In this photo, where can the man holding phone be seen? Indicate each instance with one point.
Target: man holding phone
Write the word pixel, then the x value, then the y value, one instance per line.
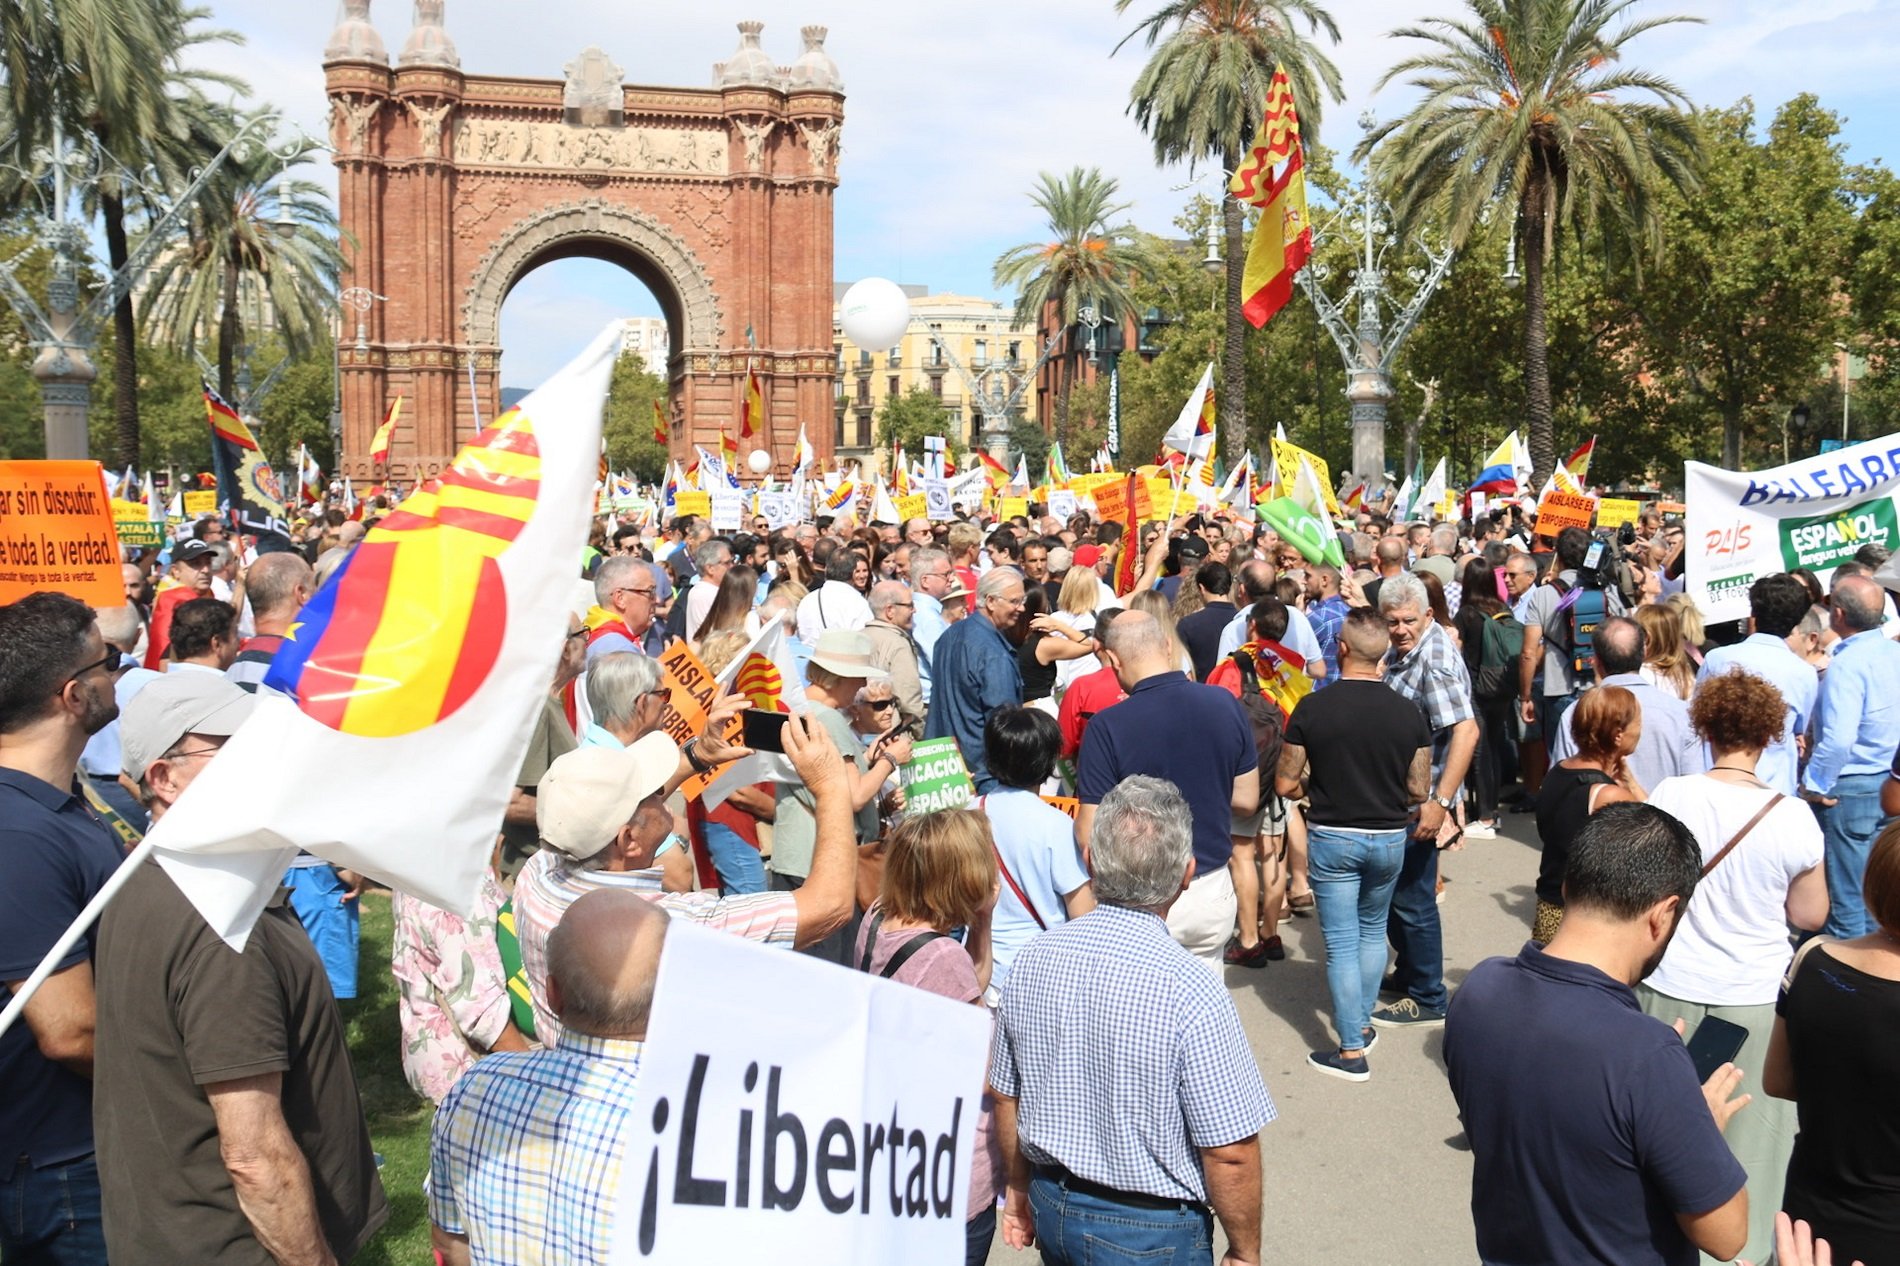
pixel 1590 1138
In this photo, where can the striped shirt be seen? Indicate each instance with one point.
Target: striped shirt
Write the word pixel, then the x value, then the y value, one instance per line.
pixel 551 882
pixel 524 1157
pixel 1125 1055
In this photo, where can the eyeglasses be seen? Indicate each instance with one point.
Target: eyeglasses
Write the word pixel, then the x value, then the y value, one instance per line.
pixel 576 633
pixel 203 751
pixel 644 593
pixel 658 692
pixel 110 661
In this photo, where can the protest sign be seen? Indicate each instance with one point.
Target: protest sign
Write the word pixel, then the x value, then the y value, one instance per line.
pixel 912 506
pixel 691 688
pixel 204 501
pixel 57 533
pixel 1093 480
pixel 694 503
pixel 728 510
pixel 1068 804
pixel 1616 511
pixel 132 521
pixel 1010 507
pixel 1560 510
pixel 1111 500
pixel 937 501
pixel 1814 514
pixel 1287 457
pixel 777 509
pixel 936 777
pixel 829 1114
pixel 1062 504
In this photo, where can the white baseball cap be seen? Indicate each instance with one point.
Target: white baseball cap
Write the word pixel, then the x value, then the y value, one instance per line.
pixel 175 705
pixel 590 793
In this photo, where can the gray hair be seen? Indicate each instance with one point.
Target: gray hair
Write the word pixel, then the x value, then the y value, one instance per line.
pixel 1135 635
pixel 886 594
pixel 1403 590
pixel 272 582
pixel 922 560
pixel 119 626
pixel 615 683
pixel 613 573
pixel 711 553
pixel 1861 602
pixel 222 555
pixel 328 562
pixel 1445 539
pixel 1140 843
pixel 995 580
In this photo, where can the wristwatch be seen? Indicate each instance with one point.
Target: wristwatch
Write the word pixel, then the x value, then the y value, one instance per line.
pixel 1444 802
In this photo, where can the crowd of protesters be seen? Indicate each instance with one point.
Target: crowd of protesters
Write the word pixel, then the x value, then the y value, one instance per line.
pixel 1164 772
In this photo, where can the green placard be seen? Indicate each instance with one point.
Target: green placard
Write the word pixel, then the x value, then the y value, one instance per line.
pixel 936 777
pixel 138 532
pixel 1825 541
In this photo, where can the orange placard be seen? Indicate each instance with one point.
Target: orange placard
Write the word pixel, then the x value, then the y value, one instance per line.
pixel 1560 510
pixel 1111 501
pixel 1068 804
pixel 57 533
pixel 691 689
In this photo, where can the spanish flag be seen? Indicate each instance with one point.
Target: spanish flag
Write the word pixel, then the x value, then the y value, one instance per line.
pixel 1283 239
pixel 1127 560
pixel 379 446
pixel 729 452
pixel 1577 465
pixel 659 423
pixel 225 422
pixel 993 470
pixel 752 408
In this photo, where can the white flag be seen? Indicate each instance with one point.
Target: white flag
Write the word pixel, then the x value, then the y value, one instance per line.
pixel 1185 435
pixel 767 674
pixel 417 672
pixel 1433 490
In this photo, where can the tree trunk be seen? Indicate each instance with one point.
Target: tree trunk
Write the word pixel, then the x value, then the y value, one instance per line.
pixel 229 333
pixel 1232 409
pixel 1732 434
pixel 1536 345
pixel 125 339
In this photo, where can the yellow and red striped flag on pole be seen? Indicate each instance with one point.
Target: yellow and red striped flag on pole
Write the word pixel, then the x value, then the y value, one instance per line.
pixel 379 446
pixel 752 409
pixel 1283 239
pixel 659 423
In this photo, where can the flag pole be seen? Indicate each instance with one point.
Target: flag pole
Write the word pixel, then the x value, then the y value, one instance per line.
pixel 71 936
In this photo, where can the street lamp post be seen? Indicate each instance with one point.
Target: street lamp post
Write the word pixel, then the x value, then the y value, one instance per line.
pixel 996 406
pixel 64 332
pixel 359 299
pixel 1847 386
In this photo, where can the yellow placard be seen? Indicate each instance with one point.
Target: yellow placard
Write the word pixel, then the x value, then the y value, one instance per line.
pixel 56 533
pixel 1288 456
pixel 1095 479
pixel 912 506
pixel 204 501
pixel 1447 504
pixel 134 511
pixel 1616 511
pixel 695 503
pixel 1010 507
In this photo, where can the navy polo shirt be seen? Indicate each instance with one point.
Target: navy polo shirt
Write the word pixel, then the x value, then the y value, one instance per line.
pixel 1194 736
pixel 54 856
pixel 1588 1128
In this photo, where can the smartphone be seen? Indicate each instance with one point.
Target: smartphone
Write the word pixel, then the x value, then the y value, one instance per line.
pixel 763 731
pixel 1716 1042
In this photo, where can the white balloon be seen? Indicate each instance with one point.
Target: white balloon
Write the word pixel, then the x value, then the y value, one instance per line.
pixel 874 313
pixel 759 461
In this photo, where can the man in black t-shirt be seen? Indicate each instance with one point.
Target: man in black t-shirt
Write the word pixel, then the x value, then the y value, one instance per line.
pixel 1363 753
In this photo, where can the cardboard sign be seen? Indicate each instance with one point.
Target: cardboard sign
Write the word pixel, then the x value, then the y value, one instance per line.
pixel 1010 507
pixel 694 503
pixel 1094 479
pixel 777 508
pixel 936 777
pixel 937 501
pixel 1068 804
pixel 201 502
pixel 912 505
pixel 1560 510
pixel 728 510
pixel 57 533
pixel 1062 504
pixel 1111 501
pixel 691 689
pixel 1288 457
pixel 829 1114
pixel 1616 511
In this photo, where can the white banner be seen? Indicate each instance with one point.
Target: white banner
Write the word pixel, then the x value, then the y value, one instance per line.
pixel 1812 514
pixel 828 1114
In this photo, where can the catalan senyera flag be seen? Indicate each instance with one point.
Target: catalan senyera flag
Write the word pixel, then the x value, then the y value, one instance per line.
pixel 752 408
pixel 379 446
pixel 900 474
pixel 659 423
pixel 1283 239
pixel 412 677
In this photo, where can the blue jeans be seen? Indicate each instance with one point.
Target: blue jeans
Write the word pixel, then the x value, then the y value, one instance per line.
pixel 1413 926
pixel 316 894
pixel 978 1233
pixel 1551 711
pixel 1353 875
pixel 50 1217
pixel 741 869
pixel 1847 836
pixel 1077 1229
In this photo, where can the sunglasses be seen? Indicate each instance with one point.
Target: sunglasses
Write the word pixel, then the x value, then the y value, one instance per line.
pixel 880 704
pixel 110 661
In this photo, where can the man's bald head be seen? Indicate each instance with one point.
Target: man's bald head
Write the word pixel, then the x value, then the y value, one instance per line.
pixel 1859 603
pixel 603 958
pixel 1620 646
pixel 278 584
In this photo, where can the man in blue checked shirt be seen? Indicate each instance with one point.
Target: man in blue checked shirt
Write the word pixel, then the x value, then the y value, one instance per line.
pixel 1856 731
pixel 1127 1099
pixel 524 1163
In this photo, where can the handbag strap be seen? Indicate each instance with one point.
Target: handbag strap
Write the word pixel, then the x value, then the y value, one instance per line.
pixel 1748 826
pixel 1003 867
pixel 904 951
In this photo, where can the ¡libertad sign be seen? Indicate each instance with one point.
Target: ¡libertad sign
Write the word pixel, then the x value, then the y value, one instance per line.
pixel 829 1114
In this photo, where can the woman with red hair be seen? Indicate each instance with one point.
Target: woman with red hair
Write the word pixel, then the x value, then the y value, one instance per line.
pixel 1607 723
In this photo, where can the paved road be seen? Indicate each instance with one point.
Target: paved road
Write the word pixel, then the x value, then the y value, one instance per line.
pixel 1375 1171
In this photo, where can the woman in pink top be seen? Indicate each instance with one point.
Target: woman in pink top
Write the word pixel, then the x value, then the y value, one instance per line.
pixel 939 875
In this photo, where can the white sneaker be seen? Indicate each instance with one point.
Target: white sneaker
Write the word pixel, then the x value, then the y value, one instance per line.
pixel 1480 831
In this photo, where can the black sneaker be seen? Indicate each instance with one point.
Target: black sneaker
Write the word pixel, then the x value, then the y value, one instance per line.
pixel 1275 949
pixel 1369 1038
pixel 1333 1064
pixel 1407 1014
pixel 1237 956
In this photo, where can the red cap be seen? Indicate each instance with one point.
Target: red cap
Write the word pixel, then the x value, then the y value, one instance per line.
pixel 1087 555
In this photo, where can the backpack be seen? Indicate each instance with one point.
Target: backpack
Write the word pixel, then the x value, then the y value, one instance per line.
pixel 1263 713
pixel 1583 610
pixel 1500 646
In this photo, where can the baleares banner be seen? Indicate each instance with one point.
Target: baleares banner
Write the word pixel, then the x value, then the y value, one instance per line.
pixel 1813 514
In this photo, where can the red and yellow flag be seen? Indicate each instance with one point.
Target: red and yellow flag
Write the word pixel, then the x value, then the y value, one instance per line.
pixel 379 446
pixel 1128 552
pixel 1283 239
pixel 752 408
pixel 728 451
pixel 225 422
pixel 659 423
pixel 993 470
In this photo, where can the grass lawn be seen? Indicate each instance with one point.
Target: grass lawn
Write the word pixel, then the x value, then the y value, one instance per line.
pixel 398 1117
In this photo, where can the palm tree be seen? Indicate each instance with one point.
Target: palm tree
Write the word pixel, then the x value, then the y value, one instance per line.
pixel 1526 103
pixel 1089 261
pixel 260 255
pixel 1200 97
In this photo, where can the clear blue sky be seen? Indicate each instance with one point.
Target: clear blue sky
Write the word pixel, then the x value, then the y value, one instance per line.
pixel 952 109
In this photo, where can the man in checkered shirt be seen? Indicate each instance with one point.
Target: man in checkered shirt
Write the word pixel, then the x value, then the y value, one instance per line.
pixel 1127 1099
pixel 524 1158
pixel 1426 667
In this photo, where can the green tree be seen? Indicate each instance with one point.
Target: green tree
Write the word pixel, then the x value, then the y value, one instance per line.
pixel 628 422
pixel 1874 291
pixel 1201 95
pixel 1089 260
pixel 905 420
pixel 1527 102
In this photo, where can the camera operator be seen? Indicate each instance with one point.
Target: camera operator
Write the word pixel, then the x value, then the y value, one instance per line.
pixel 1560 622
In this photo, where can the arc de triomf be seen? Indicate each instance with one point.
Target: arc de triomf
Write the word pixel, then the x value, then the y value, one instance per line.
pixel 452 187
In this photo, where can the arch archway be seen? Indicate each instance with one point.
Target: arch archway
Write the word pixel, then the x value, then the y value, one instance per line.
pixel 452 187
